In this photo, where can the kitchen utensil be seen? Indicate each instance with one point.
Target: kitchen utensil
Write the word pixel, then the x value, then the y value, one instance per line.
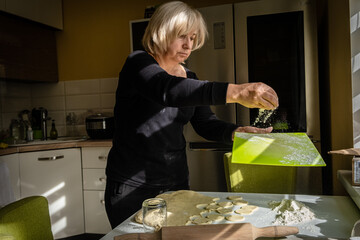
pixel 100 126
pixel 234 231
pixel 279 149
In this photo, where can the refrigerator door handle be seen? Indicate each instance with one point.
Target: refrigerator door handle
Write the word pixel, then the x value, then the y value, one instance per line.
pixel 210 146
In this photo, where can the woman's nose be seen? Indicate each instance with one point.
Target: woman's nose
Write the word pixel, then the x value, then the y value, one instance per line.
pixel 187 42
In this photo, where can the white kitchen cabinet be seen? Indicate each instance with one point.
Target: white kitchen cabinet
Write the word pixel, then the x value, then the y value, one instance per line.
pixel 94 182
pixel 96 220
pixel 10 163
pixel 94 157
pixel 94 179
pixel 56 174
pixel 48 12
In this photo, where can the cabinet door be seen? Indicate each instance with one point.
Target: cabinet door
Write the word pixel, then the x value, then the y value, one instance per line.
pixel 96 220
pixel 94 179
pixel 50 13
pixel 9 175
pixel 42 11
pixel 94 157
pixel 57 176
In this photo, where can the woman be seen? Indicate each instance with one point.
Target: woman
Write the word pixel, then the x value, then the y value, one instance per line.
pixel 156 97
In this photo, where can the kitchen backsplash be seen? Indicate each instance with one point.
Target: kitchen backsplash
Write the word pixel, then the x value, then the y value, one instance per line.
pixel 81 97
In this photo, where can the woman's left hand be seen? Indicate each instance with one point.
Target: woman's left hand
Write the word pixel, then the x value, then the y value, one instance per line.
pixel 249 129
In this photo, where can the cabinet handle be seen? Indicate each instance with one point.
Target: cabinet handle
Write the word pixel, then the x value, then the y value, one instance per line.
pixel 103 158
pixel 102 179
pixel 50 158
pixel 102 202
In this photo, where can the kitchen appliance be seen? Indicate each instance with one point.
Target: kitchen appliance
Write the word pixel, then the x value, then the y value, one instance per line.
pixel 269 41
pixel 100 126
pixel 233 231
pixel 39 117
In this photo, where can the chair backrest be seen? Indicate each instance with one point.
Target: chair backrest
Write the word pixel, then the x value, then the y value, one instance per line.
pixel 26 219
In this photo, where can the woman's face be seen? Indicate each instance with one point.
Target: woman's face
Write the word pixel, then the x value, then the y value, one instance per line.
pixel 179 50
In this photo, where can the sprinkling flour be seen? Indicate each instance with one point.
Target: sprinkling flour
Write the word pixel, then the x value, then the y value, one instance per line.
pixel 263 116
pixel 290 212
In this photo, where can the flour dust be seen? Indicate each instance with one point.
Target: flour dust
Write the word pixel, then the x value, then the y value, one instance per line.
pixel 291 212
pixel 263 116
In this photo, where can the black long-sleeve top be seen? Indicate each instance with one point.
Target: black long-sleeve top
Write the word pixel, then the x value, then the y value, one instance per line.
pixel 150 111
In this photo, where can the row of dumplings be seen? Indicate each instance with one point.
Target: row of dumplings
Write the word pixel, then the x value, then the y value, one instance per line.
pixel 218 211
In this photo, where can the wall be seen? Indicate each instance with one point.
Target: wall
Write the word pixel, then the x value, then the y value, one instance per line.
pixel 339 73
pixel 355 67
pixel 96 37
pixel 81 97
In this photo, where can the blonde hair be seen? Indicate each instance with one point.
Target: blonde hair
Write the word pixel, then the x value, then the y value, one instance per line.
pixel 169 21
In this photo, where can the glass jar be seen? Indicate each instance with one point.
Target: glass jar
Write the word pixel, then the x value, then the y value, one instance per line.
pixel 154 214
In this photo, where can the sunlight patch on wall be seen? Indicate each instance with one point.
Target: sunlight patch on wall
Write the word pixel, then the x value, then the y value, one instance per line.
pixel 355 22
pixel 57 205
pixel 54 189
pixel 59 225
pixel 355 63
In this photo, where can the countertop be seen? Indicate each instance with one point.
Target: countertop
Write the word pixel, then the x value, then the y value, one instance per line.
pixel 335 215
pixel 60 143
pixel 344 177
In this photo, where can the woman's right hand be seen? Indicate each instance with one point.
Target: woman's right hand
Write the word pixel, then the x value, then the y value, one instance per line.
pixel 252 95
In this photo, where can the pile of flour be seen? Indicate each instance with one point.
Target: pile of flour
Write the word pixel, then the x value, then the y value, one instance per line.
pixel 290 212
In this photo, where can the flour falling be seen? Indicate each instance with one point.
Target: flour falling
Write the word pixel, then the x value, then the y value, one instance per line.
pixel 291 212
pixel 263 116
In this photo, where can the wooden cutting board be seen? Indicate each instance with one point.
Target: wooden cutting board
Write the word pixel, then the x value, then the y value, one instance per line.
pixel 276 149
pixel 234 231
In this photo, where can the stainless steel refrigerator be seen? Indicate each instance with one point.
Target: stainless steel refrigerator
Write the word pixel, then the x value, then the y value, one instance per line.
pixel 272 41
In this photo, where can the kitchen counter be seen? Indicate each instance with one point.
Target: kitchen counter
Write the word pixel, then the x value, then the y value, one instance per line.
pixel 335 215
pixel 55 144
pixel 344 177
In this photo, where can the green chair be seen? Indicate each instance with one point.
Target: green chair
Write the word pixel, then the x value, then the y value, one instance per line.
pixel 26 219
pixel 251 178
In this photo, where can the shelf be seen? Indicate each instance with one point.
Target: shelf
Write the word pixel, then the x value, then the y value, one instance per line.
pixel 344 177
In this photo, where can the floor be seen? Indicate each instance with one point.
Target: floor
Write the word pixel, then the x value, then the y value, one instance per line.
pixel 86 236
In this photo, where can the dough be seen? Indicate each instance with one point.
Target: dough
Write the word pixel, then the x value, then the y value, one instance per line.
pixel 234 198
pixel 201 221
pixel 215 217
pixel 204 213
pixel 222 210
pixel 240 202
pixel 155 218
pixel 193 217
pixel 212 206
pixel 246 210
pixel 235 218
pixel 225 204
pixel 180 206
pixel 202 205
